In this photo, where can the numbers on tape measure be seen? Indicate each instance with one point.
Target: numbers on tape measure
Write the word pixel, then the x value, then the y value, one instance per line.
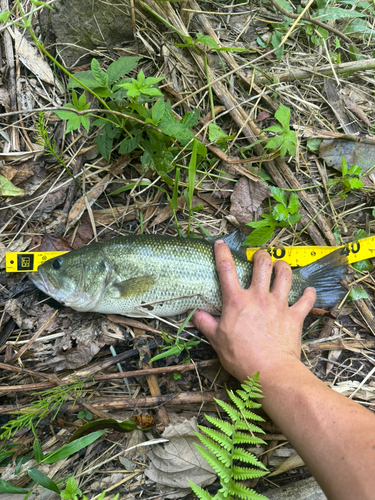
pixel 350 248
pixel 277 253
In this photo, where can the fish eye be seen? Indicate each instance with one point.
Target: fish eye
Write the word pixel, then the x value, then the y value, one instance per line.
pixel 57 263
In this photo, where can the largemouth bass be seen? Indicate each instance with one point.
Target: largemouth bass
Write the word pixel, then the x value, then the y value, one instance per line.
pixel 163 275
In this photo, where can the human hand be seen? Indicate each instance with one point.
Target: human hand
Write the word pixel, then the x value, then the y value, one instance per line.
pixel 257 330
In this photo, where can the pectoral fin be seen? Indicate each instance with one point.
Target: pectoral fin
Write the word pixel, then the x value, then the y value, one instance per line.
pixel 135 286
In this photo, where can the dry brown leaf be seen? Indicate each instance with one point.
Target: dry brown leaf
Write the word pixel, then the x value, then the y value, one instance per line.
pixel 290 463
pixel 80 206
pixel 166 212
pixel 54 243
pixel 29 56
pixel 246 198
pixel 179 460
pixel 17 174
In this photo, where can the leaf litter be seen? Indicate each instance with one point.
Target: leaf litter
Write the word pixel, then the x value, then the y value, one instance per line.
pixel 284 128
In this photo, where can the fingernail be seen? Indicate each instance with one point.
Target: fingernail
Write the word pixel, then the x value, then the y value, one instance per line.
pixel 219 242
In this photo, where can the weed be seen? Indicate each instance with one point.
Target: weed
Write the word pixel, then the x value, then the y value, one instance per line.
pixel 350 179
pixel 221 442
pixel 287 140
pixel 284 214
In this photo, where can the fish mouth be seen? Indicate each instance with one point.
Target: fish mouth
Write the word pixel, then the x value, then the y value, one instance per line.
pixel 39 280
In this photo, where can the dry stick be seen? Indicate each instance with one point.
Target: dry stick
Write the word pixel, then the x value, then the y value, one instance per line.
pixel 184 398
pixel 98 378
pixel 249 129
pixel 32 340
pixel 326 70
pixel 311 20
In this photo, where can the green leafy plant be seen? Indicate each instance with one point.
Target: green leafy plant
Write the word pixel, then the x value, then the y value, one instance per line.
pixel 176 346
pixel 221 445
pixel 85 414
pixel 350 178
pixel 48 402
pixel 284 214
pixel 286 142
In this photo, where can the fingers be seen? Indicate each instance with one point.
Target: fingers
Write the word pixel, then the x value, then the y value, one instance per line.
pixel 262 272
pixel 205 323
pixel 283 281
pixel 306 302
pixel 226 269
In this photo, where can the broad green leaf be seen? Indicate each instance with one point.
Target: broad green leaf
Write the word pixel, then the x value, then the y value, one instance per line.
pixel 141 110
pixel 152 81
pixel 85 77
pixel 355 183
pixel 259 236
pixel 360 234
pixel 355 170
pixel 43 480
pixel 332 13
pixel 293 203
pixel 207 40
pixel 85 122
pixel 362 265
pixel 275 41
pixel 293 219
pixel 6 487
pixel 354 53
pixel 157 110
pixel 259 223
pixel 73 124
pixel 275 142
pixel 201 149
pixel 69 449
pixel 279 195
pixel 65 115
pixel 100 76
pixel 190 119
pixel 313 145
pixel 104 144
pixel 215 132
pixel 358 293
pixel 151 91
pixel 274 128
pixel 9 189
pixel 121 67
pixel 103 91
pixel 280 213
pixel 38 453
pixel 129 145
pixel 282 115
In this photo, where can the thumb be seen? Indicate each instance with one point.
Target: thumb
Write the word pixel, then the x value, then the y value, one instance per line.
pixel 205 323
pixel 304 305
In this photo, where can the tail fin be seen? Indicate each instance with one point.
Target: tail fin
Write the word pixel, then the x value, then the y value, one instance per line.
pixel 325 275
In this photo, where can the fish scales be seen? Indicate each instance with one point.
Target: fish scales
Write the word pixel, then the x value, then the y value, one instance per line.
pixel 161 275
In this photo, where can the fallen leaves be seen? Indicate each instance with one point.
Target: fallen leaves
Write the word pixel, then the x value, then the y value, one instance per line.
pixel 9 189
pixel 179 460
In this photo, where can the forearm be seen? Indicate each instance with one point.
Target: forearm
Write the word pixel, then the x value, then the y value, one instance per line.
pixel 334 435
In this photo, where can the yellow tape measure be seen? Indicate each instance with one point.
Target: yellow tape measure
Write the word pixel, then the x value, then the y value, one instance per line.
pixel 21 262
pixel 302 256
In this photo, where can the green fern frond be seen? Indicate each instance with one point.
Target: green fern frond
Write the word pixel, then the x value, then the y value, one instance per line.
pixel 201 494
pixel 247 457
pixel 243 493
pixel 244 473
pixel 241 438
pixel 220 469
pixel 225 427
pixel 222 454
pixel 222 439
pixel 246 425
pixel 221 450
pixel 232 413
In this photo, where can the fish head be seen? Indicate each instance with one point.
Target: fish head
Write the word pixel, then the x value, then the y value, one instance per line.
pixel 74 279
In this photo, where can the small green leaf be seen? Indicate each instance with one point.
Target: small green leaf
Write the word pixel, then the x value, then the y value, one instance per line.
pixel 100 76
pixel 313 145
pixel 152 91
pixel 158 110
pixel 215 133
pixel 293 204
pixel 360 234
pixel 69 449
pixel 259 236
pixel 355 170
pixel 129 145
pixel 121 67
pixel 358 293
pixel 9 189
pixel 362 265
pixel 355 183
pixel 6 487
pixel 104 144
pixel 4 16
pixel 282 115
pixel 38 453
pixel 279 195
pixel 73 124
pixel 344 170
pixel 207 40
pixel 280 213
pixel 190 118
pixel 86 78
pixel 293 219
pixel 43 480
